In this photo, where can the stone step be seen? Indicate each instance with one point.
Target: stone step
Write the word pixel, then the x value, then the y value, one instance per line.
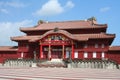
pixel 56 60
pixel 52 63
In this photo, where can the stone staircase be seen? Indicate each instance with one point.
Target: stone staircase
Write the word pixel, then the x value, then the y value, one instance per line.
pixel 52 63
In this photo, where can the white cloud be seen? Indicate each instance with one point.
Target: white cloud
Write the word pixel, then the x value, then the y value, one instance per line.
pixel 10 29
pixel 4 11
pixel 12 4
pixel 70 4
pixel 53 7
pixel 104 9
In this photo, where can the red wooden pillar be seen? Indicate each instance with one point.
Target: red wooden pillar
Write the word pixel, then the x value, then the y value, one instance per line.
pixel 72 55
pixel 49 52
pixel 41 52
pixel 106 56
pixel 63 51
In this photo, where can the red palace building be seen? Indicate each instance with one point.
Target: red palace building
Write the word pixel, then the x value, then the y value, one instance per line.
pixel 83 43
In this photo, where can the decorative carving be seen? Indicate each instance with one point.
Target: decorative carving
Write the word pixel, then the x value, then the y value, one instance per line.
pixel 92 18
pixel 56 29
pixel 40 22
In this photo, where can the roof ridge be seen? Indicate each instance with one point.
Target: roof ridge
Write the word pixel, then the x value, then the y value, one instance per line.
pixel 66 21
pixel 115 46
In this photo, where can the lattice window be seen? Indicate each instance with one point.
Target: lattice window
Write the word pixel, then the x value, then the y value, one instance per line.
pixel 85 55
pixel 22 54
pixel 94 55
pixel 96 45
pixel 85 46
pixel 102 46
pixel 102 54
pixel 76 54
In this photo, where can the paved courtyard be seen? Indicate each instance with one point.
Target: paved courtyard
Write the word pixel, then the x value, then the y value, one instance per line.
pixel 58 74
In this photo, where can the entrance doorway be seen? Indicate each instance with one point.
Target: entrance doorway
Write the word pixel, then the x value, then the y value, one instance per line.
pixel 56 52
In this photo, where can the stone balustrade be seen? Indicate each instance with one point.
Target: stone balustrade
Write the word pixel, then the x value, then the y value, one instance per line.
pixel 94 64
pixel 102 64
pixel 18 63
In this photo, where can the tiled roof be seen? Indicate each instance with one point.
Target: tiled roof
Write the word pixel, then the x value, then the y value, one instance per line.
pixel 19 38
pixel 65 25
pixel 114 48
pixel 8 48
pixel 79 37
pixel 95 36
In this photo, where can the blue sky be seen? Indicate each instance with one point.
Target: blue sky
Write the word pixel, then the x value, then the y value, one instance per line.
pixel 26 13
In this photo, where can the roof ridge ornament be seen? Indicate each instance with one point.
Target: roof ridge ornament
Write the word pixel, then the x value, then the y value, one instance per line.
pixel 93 20
pixel 40 22
pixel 56 29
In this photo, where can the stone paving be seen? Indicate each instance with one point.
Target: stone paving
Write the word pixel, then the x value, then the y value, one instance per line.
pixel 58 74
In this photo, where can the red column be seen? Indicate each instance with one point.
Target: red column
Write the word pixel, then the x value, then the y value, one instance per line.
pixel 49 52
pixel 41 52
pixel 106 56
pixel 63 51
pixel 72 56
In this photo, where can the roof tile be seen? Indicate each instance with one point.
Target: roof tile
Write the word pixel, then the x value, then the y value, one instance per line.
pixel 79 37
pixel 65 25
pixel 114 48
pixel 8 48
